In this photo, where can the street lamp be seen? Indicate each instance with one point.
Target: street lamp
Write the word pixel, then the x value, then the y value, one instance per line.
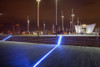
pixel 62 22
pixel 44 27
pixel 72 15
pixel 1 14
pixel 56 15
pixel 53 28
pixel 38 3
pixel 70 25
pixel 28 21
pixel 78 21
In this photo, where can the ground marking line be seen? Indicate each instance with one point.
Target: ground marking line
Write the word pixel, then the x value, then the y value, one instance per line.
pixel 59 42
pixel 7 38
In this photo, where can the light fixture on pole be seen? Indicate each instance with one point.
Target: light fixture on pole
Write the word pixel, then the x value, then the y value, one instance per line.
pixel 62 21
pixel 28 21
pixel 72 15
pixel 1 14
pixel 38 4
pixel 56 15
pixel 44 27
pixel 53 28
pixel 78 21
pixel 70 25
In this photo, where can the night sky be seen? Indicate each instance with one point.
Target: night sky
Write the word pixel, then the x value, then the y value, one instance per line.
pixel 16 12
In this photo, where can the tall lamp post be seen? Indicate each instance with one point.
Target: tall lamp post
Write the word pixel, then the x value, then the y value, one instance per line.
pixel 44 27
pixel 1 14
pixel 72 15
pixel 62 22
pixel 38 4
pixel 56 15
pixel 78 21
pixel 70 26
pixel 53 28
pixel 28 24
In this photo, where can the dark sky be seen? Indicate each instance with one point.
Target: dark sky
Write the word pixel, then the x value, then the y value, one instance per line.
pixel 16 11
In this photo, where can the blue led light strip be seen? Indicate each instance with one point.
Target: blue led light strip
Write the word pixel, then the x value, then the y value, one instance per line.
pixel 7 38
pixel 59 42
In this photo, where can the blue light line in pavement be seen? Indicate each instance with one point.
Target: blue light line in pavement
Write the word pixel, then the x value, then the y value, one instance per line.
pixel 7 38
pixel 59 42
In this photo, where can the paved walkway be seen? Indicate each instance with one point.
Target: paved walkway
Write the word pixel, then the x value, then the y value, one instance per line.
pixel 18 54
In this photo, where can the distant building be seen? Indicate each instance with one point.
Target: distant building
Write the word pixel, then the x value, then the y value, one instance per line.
pixel 85 28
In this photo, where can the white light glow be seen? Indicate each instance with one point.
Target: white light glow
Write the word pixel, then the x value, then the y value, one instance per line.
pixel 38 0
pixel 1 14
pixel 72 15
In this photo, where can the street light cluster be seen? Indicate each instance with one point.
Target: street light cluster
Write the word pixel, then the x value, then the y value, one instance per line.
pixel 38 1
pixel 71 23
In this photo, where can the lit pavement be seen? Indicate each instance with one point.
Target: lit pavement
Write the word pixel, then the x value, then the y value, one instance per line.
pixel 14 54
pixel 18 54
pixel 73 56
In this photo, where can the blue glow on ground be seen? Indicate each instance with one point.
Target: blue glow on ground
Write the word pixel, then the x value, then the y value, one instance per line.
pixel 59 42
pixel 7 38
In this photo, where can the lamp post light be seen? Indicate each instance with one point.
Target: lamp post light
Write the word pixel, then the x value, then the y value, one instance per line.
pixel 44 27
pixel 28 21
pixel 62 22
pixel 53 29
pixel 72 15
pixel 38 4
pixel 1 14
pixel 78 21
pixel 56 15
pixel 70 26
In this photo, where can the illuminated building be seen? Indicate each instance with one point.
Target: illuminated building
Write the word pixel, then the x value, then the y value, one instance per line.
pixel 88 29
